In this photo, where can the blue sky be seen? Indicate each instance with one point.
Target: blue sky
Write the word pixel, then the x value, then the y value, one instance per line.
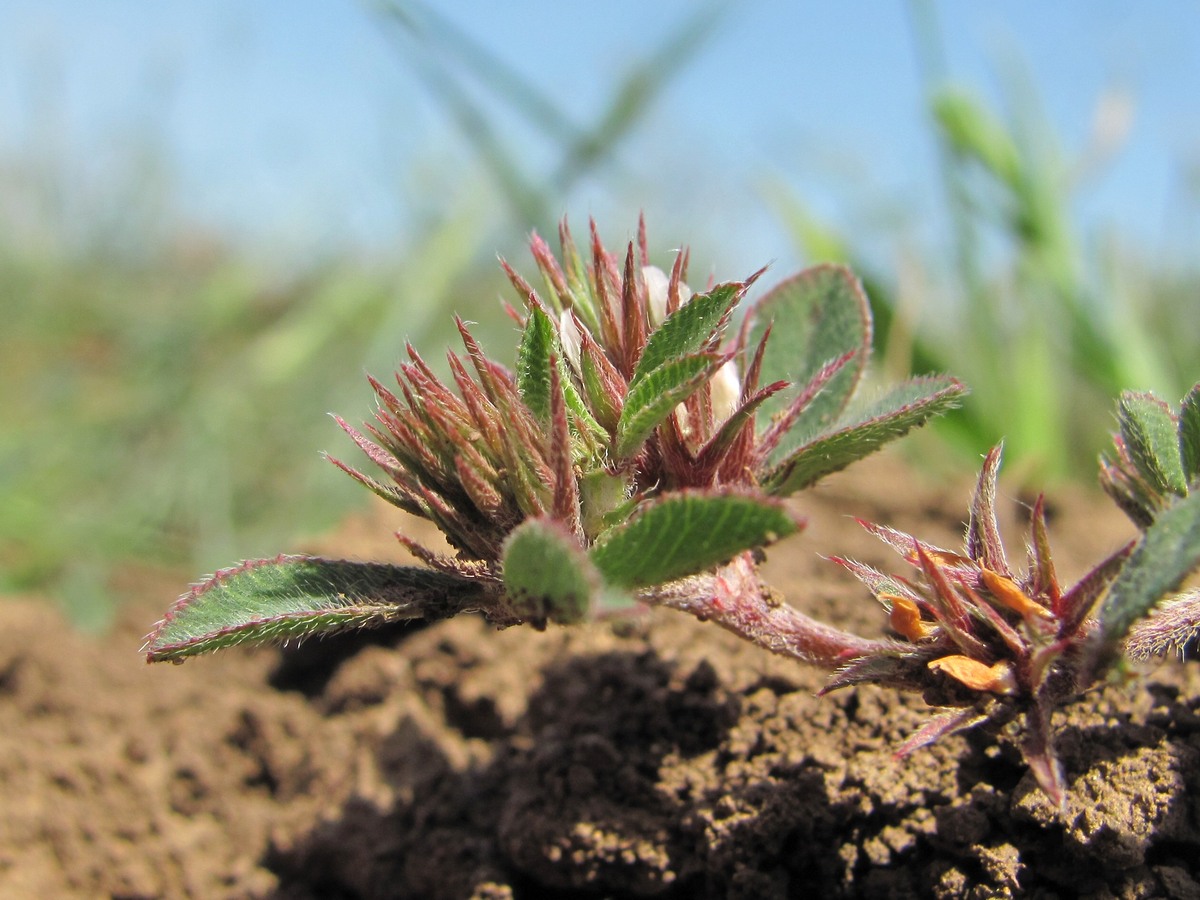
pixel 302 122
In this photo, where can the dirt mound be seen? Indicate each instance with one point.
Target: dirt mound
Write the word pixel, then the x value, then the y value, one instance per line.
pixel 657 758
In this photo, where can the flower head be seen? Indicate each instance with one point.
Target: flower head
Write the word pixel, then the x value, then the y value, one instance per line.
pixel 628 386
pixel 631 395
pixel 979 637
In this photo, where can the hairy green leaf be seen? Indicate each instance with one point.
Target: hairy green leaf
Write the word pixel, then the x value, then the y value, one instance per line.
pixel 271 600
pixel 1189 434
pixel 547 574
pixel 1167 553
pixel 688 330
pixel 688 532
pixel 818 315
pixel 1152 436
pixel 901 409
pixel 656 395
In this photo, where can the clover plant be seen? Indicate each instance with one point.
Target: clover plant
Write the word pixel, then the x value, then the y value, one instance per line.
pixel 988 642
pixel 641 453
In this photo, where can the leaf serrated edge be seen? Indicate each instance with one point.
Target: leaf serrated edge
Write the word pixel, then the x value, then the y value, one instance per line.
pixel 689 330
pixel 643 525
pixel 651 400
pixel 397 602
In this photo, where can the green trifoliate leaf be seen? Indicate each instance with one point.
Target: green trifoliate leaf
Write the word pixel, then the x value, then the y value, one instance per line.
pixel 1152 436
pixel 538 346
pixel 818 315
pixel 688 330
pixel 272 600
pixel 651 399
pixel 687 532
pixel 1189 434
pixel 861 433
pixel 548 576
pixel 1167 553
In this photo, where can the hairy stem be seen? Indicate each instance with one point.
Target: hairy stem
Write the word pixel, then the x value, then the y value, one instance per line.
pixel 735 598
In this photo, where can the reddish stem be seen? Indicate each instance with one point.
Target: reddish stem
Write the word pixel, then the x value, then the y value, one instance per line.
pixel 735 598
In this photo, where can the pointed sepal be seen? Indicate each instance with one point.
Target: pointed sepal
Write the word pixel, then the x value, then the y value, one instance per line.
pixel 947 722
pixel 983 528
pixel 904 670
pixel 538 347
pixel 1037 746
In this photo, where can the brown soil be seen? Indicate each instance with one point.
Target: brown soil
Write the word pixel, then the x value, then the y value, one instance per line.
pixel 658 758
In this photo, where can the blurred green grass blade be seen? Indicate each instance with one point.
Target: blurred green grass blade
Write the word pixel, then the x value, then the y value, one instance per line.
pixel 973 132
pixel 533 363
pixel 526 200
pixel 443 53
pixel 198 387
pixel 633 97
pixel 430 28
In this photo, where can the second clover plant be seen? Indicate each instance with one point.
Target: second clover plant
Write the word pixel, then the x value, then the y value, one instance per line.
pixel 640 455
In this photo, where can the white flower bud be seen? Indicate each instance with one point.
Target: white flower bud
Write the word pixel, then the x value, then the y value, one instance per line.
pixel 726 391
pixel 658 286
pixel 568 333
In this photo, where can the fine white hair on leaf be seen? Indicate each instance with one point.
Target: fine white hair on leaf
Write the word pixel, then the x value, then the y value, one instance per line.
pixel 1169 629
